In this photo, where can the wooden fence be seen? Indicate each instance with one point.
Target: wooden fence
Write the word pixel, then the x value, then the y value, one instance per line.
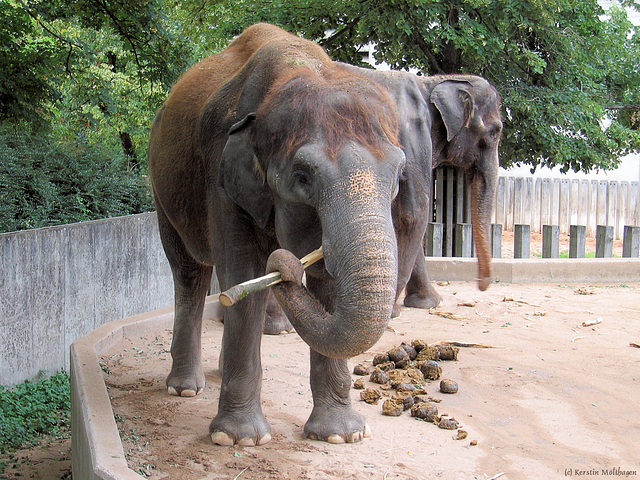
pixel 537 202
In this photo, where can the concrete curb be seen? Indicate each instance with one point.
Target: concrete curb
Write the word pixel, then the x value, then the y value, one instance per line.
pixel 97 449
pixel 95 441
pixel 539 270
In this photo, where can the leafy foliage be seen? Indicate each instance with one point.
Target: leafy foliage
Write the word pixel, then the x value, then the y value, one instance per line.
pixel 45 183
pixel 89 75
pixel 568 74
pixel 32 409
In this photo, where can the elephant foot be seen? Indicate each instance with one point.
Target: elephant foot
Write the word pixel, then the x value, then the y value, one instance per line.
pixel 277 324
pixel 240 429
pixel 397 310
pixel 431 300
pixel 337 425
pixel 185 384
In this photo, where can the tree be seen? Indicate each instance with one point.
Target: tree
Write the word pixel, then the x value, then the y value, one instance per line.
pixel 568 75
pixel 84 66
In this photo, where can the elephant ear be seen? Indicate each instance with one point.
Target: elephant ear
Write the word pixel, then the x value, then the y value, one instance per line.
pixel 455 104
pixel 240 175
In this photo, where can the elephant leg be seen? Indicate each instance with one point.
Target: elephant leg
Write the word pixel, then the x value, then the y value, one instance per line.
pixel 191 283
pixel 276 322
pixel 240 419
pixel 420 291
pixel 333 418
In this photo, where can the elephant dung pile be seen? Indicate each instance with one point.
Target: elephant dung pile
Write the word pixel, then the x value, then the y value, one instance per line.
pixel 401 374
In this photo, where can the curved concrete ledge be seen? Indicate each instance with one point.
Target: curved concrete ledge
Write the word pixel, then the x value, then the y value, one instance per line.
pixel 95 441
pixel 539 270
pixel 96 445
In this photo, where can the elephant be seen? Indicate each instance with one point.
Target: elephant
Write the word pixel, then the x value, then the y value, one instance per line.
pixel 261 154
pixel 444 119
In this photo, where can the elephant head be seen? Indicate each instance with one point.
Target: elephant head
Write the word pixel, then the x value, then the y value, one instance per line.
pixel 327 164
pixel 467 137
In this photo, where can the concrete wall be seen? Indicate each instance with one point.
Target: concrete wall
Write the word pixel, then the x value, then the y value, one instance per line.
pixel 58 284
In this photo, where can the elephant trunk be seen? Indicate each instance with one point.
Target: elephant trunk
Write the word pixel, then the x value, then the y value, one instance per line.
pixel 483 191
pixel 360 253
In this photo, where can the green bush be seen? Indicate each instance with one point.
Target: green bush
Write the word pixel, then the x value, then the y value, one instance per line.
pixel 45 183
pixel 32 409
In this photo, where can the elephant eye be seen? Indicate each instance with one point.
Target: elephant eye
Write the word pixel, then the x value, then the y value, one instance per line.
pixel 302 176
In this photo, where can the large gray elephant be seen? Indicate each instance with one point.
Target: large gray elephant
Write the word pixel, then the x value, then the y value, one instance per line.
pixel 269 146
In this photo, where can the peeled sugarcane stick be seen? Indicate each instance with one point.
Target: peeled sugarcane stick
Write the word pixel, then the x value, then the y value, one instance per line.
pixel 240 291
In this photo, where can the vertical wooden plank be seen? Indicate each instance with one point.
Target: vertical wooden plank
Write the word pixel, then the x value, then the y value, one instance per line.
pixel 518 200
pixel 434 239
pixel 593 208
pixel 449 221
pixel 460 196
pixel 563 205
pixel 498 213
pixel 536 205
pixel 612 208
pixel 634 204
pixel 583 203
pixel 623 205
pixel 546 201
pixel 574 203
pixel 601 213
pixel 439 189
pixel 555 203
pixel 467 203
pixel 508 219
pixel 527 206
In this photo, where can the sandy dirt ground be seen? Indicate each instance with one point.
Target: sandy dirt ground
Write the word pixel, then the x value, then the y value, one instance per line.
pixel 553 398
pixel 556 398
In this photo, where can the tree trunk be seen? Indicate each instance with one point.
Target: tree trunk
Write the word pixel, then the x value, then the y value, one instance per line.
pixel 129 150
pixel 451 61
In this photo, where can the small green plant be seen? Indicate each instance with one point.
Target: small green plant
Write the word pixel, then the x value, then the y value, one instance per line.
pixel 33 409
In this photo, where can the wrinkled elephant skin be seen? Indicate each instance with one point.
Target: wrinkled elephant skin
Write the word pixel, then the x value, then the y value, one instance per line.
pixel 270 145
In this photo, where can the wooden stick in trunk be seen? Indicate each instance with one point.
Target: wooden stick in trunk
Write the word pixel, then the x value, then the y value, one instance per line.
pixel 240 291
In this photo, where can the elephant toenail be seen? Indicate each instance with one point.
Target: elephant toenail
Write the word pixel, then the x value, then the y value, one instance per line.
pixel 188 392
pixel 221 438
pixel 335 438
pixel 247 442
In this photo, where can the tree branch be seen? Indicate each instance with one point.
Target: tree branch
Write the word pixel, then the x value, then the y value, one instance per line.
pixel 424 48
pixel 622 107
pixel 338 33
